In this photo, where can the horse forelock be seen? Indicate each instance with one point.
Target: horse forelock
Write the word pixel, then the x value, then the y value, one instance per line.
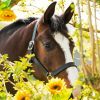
pixel 57 24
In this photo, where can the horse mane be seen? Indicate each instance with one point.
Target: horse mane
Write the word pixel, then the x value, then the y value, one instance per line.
pixel 15 25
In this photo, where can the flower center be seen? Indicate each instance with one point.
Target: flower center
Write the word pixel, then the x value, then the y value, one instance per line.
pixel 56 87
pixel 6 15
pixel 23 98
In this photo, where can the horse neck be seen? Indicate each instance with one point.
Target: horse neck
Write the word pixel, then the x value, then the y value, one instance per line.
pixel 26 37
pixel 17 43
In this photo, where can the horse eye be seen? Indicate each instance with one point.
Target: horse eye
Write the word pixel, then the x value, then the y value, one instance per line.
pixel 48 45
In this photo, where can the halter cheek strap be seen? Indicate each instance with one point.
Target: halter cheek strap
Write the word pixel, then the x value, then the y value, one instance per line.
pixel 31 43
pixel 37 61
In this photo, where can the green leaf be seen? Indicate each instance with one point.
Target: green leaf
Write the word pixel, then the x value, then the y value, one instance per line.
pixel 5 4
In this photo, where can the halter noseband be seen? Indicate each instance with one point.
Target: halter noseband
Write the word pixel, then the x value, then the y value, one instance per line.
pixel 37 61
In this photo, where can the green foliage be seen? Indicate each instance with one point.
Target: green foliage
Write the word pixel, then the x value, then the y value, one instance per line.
pixel 97 1
pixel 86 39
pixel 61 4
pixel 88 93
pixel 4 4
pixel 2 96
pixel 64 95
pixel 32 88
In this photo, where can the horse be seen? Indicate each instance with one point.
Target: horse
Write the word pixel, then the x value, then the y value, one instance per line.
pixel 47 37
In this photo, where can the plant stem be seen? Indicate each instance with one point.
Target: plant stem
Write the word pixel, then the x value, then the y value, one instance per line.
pixel 97 44
pixel 11 82
pixel 81 36
pixel 3 81
pixel 93 64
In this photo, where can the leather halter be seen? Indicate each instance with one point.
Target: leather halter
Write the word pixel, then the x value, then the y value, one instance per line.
pixel 37 61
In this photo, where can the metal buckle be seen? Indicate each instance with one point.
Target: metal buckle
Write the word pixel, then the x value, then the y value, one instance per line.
pixel 49 76
pixel 31 44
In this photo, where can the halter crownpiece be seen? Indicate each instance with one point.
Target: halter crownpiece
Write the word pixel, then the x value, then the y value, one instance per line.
pixel 37 61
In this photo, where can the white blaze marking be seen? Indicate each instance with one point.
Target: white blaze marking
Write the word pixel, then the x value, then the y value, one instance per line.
pixel 64 44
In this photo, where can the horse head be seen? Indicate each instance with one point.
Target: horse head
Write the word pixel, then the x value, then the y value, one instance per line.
pixel 53 46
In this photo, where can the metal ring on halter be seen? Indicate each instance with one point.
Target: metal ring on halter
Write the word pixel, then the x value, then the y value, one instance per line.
pixel 49 76
pixel 31 45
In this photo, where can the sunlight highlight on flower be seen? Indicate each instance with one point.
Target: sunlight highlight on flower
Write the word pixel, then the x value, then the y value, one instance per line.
pixel 7 15
pixel 22 95
pixel 55 85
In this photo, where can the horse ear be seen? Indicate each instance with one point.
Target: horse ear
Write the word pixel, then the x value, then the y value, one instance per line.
pixel 49 12
pixel 67 15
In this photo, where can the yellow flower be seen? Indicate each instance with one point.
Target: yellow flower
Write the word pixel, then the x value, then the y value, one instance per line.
pixel 55 85
pixel 22 95
pixel 7 15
